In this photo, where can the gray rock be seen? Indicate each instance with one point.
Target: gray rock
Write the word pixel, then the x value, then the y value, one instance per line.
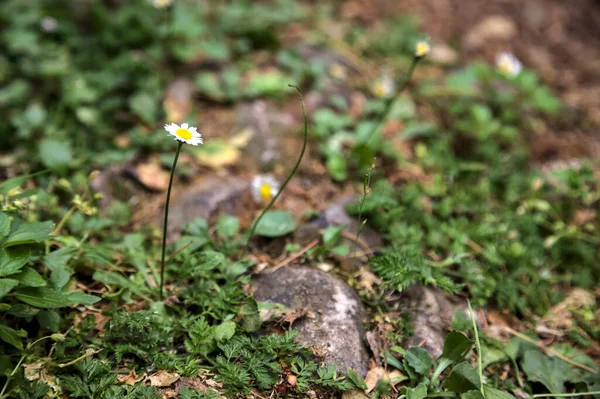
pixel 267 124
pixel 114 184
pixel 336 215
pixel 205 198
pixel 336 325
pixel 431 312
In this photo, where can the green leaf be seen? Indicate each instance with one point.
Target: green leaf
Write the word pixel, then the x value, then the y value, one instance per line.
pixel 10 336
pixel 224 331
pixel 12 260
pixel 79 298
pixel 275 224
pixel 473 394
pixel 331 235
pixel 356 379
pixel 28 277
pixel 418 358
pixel 43 297
pixel 145 106
pixel 59 258
pixel 227 226
pixel 418 392
pixel 549 371
pixel 7 284
pixel 29 232
pixel 456 346
pixel 21 310
pixel 4 225
pixel 493 393
pixel 463 378
pixel 55 155
pixel 49 319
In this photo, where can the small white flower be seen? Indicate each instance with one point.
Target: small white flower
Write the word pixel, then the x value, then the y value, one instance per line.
pixel 48 24
pixel 162 3
pixel 422 48
pixel 508 64
pixel 185 133
pixel 264 188
pixel 383 87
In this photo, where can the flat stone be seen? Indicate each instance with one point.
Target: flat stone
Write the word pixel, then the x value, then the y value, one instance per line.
pixel 336 215
pixel 338 311
pixel 204 199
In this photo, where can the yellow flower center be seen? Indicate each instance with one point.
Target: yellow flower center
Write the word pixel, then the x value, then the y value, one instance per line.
pixel 183 133
pixel 422 49
pixel 265 191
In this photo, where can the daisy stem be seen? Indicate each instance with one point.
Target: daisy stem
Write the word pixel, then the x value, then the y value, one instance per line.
pixel 390 101
pixel 287 180
pixel 164 243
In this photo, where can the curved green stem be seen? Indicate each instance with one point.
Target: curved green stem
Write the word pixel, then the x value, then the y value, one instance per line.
pixel 478 346
pixel 390 102
pixel 287 180
pixel 164 243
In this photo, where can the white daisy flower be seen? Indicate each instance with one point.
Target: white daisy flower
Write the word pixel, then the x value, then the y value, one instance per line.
pixel 184 133
pixel 422 48
pixel 162 3
pixel 508 64
pixel 264 188
pixel 383 87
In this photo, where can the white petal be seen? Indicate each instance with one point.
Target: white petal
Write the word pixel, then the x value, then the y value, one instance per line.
pixel 184 126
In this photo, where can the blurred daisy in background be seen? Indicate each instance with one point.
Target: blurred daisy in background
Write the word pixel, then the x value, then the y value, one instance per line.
pixel 264 188
pixel 184 133
pixel 508 64
pixel 162 3
pixel 383 87
pixel 422 48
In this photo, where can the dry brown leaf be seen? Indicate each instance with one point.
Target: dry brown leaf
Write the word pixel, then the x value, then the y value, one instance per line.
pixel 32 371
pixel 368 279
pixel 152 176
pixel 132 378
pixel 373 375
pixel 354 394
pixel 162 379
pixel 218 154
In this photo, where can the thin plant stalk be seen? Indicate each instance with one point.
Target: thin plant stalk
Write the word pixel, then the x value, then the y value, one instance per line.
pixel 366 191
pixel 287 180
pixel 390 102
pixel 478 346
pixel 164 243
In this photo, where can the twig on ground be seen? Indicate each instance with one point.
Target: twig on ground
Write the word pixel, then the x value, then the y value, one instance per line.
pixel 294 256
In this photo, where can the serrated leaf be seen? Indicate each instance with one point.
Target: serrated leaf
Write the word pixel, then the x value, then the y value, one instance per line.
pixel 418 392
pixel 549 371
pixel 275 224
pixel 28 277
pixel 12 260
pixel 356 379
pixel 29 232
pixel 42 297
pixel 224 331
pixel 7 284
pixel 10 336
pixel 419 359
pixel 463 378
